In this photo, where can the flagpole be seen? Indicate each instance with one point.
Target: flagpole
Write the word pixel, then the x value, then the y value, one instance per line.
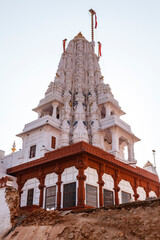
pixel 92 28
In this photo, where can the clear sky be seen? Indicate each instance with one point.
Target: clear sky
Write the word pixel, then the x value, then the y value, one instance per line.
pixel 31 34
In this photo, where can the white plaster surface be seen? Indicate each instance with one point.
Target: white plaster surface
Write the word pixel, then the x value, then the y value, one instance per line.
pixel 51 179
pixel 5 223
pixel 69 175
pixel 40 137
pixel 142 193
pixel 126 187
pixel 150 168
pixel 108 183
pixel 31 183
pixel 152 194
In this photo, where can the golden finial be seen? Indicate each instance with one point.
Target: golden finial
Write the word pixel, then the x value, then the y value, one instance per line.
pixel 79 35
pixel 13 147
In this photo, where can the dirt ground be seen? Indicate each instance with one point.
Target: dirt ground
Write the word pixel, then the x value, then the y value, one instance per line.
pixel 133 221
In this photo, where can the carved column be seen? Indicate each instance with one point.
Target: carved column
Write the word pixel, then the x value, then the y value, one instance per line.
pixel 20 183
pixel 130 152
pixel 134 185
pixel 81 165
pixel 158 192
pixel 115 141
pixel 41 188
pixel 116 188
pixel 107 110
pixel 59 183
pixel 147 190
pixel 54 105
pixel 101 184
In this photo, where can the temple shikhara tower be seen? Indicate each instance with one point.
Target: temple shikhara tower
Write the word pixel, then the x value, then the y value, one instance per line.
pixel 78 153
pixel 79 106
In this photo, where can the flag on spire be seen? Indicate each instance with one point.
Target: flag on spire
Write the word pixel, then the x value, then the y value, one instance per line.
pixel 99 49
pixel 64 45
pixel 95 20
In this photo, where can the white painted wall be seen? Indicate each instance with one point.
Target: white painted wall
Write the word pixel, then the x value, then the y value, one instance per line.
pixel 5 223
pixel 39 137
pixel 126 187
pixel 69 175
pixel 142 193
pixel 31 183
pixel 50 180
pixel 152 194
pixel 92 179
pixel 109 183
pixel 13 159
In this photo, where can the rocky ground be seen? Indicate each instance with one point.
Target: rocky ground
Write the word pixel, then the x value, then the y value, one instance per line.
pixel 133 221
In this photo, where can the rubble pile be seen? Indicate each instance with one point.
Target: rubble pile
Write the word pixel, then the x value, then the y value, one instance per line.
pixel 133 221
pixel 40 217
pixel 12 199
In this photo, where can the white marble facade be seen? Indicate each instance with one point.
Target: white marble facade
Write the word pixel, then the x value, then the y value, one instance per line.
pixel 78 106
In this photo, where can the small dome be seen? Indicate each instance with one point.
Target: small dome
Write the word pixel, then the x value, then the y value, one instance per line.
pixel 148 164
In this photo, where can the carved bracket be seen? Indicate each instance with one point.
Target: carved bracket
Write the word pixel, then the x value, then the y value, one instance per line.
pixel 101 183
pixel 81 177
pixel 116 189
pixel 59 183
pixel 136 195
pixel 58 169
pixel 81 162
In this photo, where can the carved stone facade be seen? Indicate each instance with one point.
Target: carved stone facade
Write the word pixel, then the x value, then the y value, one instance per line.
pixel 78 139
pixel 83 156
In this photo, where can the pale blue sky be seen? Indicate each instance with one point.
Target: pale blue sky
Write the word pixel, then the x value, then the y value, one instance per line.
pixel 31 34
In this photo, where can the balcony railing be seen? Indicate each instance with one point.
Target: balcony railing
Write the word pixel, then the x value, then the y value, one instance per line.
pixel 40 122
pixel 114 120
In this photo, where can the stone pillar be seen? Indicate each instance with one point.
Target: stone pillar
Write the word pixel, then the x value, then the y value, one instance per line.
pixel 54 105
pixel 81 177
pixel 115 141
pixel 134 185
pixel 158 192
pixel 147 190
pixel 41 188
pixel 59 183
pixel 130 152
pixel 81 165
pixel 107 110
pixel 116 187
pixel 20 183
pixel 101 184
